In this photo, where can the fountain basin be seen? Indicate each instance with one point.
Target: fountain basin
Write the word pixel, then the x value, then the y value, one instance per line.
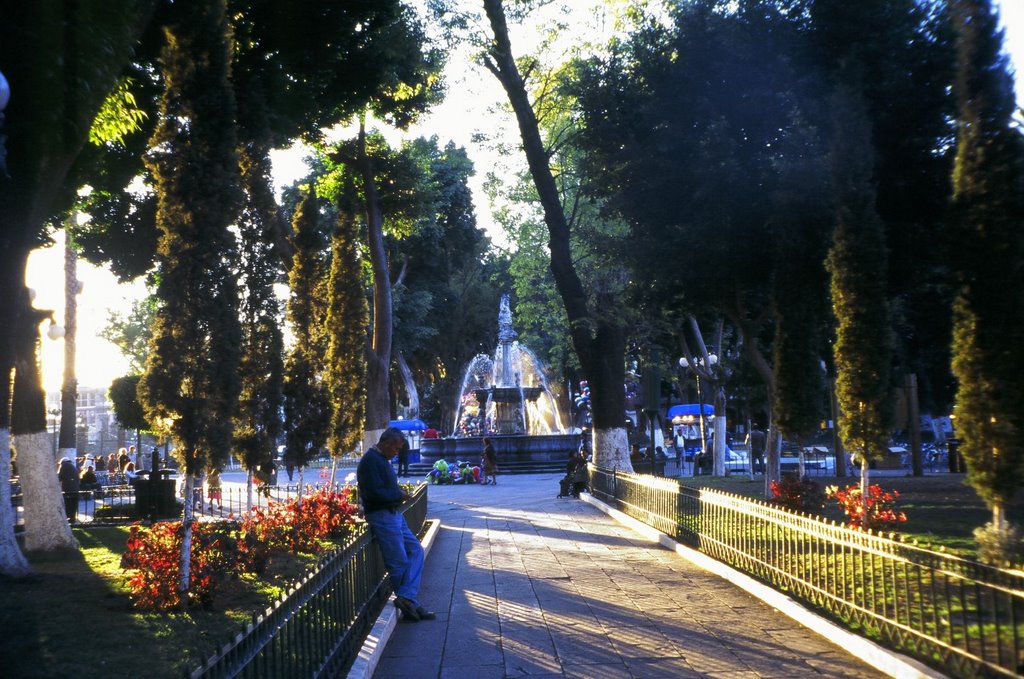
pixel 512 450
pixel 507 394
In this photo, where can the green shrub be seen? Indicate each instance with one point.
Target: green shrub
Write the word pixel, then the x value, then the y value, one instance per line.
pixel 999 547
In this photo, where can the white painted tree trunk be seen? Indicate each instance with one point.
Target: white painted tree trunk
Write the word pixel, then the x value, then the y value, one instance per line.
pixel 12 562
pixel 370 438
pixel 46 525
pixel 865 483
pixel 248 492
pixel 719 450
pixel 999 517
pixel 186 542
pixel 611 449
pixel 773 455
pixel 69 384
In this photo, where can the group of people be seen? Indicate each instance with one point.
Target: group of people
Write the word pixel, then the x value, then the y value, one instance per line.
pixel 486 473
pixel 84 474
pixel 121 466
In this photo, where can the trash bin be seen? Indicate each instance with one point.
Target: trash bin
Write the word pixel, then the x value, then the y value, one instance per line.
pixel 154 496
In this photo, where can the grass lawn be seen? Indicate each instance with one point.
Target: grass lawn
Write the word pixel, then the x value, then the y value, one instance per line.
pixel 74 617
pixel 942 509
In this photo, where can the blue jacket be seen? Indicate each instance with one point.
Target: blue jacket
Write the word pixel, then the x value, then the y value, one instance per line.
pixel 378 484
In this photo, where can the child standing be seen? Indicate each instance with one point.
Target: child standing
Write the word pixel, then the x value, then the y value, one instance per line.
pixel 213 489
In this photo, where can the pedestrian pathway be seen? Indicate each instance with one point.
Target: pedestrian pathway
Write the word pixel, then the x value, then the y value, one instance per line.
pixel 525 584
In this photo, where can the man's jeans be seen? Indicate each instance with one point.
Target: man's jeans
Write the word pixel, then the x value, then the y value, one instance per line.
pixel 401 549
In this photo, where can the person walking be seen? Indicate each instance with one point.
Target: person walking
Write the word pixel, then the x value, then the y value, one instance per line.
pixel 756 444
pixel 67 474
pixel 489 462
pixel 381 497
pixel 403 459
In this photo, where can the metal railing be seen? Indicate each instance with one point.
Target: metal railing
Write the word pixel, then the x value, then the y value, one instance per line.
pixel 961 616
pixel 318 626
pixel 119 503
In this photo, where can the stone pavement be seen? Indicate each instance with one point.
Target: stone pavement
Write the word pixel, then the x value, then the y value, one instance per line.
pixel 525 584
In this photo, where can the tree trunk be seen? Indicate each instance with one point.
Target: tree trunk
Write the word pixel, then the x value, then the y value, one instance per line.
pixel 837 441
pixel 248 492
pixel 69 386
pixel 720 431
pixel 999 517
pixel 599 339
pixel 914 423
pixel 378 403
pixel 410 384
pixel 46 524
pixel 12 562
pixel 773 454
pixel 185 558
pixel 865 482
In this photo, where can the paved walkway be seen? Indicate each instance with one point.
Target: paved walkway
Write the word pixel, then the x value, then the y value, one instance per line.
pixel 525 584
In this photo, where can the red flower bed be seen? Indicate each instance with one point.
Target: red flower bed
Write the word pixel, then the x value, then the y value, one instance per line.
pixel 153 555
pixel 877 513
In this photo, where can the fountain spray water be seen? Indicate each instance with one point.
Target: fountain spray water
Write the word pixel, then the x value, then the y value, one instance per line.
pixel 506 394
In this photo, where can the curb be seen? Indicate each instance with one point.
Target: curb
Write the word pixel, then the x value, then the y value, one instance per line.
pixel 884 660
pixel 374 644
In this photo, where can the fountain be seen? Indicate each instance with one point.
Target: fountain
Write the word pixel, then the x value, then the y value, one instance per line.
pixel 506 398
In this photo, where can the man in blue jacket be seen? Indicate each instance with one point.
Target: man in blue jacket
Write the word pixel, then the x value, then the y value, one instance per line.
pixel 382 497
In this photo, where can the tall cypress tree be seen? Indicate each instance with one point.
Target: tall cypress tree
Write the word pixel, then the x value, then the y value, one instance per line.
pixel 857 265
pixel 191 375
pixel 258 419
pixel 796 350
pixel 988 338
pixel 347 322
pixel 306 400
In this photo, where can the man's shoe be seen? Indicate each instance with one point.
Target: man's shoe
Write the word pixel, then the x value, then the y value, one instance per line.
pixel 425 614
pixel 407 609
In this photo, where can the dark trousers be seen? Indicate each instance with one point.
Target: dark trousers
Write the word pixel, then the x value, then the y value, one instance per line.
pixel 71 505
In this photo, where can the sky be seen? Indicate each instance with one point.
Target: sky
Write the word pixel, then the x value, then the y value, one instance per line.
pixel 470 107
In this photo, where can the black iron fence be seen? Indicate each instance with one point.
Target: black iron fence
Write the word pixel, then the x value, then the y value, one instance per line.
pixel 961 616
pixel 317 628
pixel 121 502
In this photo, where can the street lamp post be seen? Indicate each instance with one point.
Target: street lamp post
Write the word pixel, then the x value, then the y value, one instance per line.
pixel 54 333
pixel 69 387
pixel 697 365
